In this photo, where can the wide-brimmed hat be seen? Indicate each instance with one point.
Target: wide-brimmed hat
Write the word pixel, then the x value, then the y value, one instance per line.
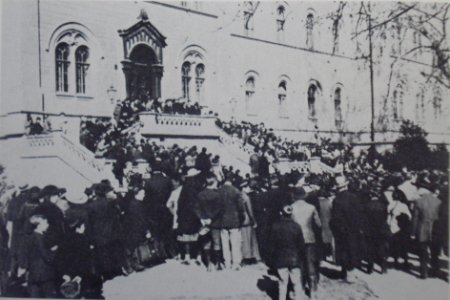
pixel 23 187
pixel 103 188
pixel 49 190
pixel 192 172
pixel 341 182
pixel 78 199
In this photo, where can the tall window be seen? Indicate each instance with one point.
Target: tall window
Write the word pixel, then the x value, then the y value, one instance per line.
pixel 337 108
pixel 309 31
pixel 199 79
pixel 249 93
pixel 185 78
pixel 437 102
pixel 282 89
pixel 82 65
pixel 420 104
pixel 280 18
pixel 62 66
pixel 312 91
pixel 397 103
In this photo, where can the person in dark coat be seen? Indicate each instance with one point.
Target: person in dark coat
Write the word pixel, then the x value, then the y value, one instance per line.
pixel 188 222
pixel 14 224
pixel 25 227
pixel 39 262
pixel 345 225
pixel 287 249
pixel 377 231
pixel 202 162
pixel 54 215
pixel 76 259
pixel 138 226
pixel 157 190
pixel 208 209
pixel 104 217
pixel 231 221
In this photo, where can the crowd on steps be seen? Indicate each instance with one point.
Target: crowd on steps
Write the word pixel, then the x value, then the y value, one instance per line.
pixel 193 210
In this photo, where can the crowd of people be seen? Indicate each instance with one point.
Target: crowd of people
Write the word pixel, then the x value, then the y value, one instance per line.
pixel 186 206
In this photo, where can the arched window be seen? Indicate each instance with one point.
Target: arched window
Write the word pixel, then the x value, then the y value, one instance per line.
pixel 62 67
pixel 420 104
pixel 249 93
pixel 282 90
pixel 281 18
pixel 82 65
pixel 312 92
pixel 309 31
pixel 185 78
pixel 437 102
pixel 337 108
pixel 397 103
pixel 199 79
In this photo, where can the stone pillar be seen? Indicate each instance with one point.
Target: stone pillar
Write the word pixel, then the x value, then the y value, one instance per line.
pixel 157 73
pixel 127 71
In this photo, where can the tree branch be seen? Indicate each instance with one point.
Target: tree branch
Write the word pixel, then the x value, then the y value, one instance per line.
pixel 387 21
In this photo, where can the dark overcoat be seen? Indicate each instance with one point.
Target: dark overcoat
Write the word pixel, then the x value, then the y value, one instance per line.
pixel 346 214
pixel 287 245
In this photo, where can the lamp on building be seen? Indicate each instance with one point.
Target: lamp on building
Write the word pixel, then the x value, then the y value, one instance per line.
pixel 112 93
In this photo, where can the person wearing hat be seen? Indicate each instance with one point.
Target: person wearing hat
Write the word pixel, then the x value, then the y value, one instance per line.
pixel 250 248
pixel 157 190
pixel 231 220
pixel 208 208
pixel 14 224
pixel 49 196
pixel 286 251
pixel 203 162
pixel 104 218
pixel 306 215
pixel 377 231
pixel 188 222
pixel 39 260
pixel 425 214
pixel 345 225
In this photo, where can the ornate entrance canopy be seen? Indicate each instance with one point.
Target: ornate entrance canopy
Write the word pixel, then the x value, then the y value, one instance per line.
pixel 143 75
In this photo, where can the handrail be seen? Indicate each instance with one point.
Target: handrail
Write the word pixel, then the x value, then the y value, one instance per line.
pixel 61 114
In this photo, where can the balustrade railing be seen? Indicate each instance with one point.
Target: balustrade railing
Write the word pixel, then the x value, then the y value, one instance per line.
pixel 178 125
pixel 58 145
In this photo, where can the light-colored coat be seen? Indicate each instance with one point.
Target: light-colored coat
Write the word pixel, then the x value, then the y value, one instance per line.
pixel 305 215
pixel 426 212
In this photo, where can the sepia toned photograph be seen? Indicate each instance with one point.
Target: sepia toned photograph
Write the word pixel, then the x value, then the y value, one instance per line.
pixel 224 150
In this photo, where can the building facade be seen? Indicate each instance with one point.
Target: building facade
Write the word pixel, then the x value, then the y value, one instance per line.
pixel 299 67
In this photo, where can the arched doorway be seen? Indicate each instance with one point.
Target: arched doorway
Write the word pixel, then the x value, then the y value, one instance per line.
pixel 143 58
pixel 140 80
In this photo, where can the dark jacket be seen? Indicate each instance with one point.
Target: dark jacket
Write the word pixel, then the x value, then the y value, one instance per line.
pixel 40 259
pixel 376 220
pixel 104 218
pixel 55 219
pixel 346 215
pixel 188 222
pixel 137 223
pixel 233 213
pixel 203 162
pixel 157 190
pixel 209 206
pixel 286 244
pixel 75 257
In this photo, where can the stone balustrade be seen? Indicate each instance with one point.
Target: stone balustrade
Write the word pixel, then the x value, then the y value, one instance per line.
pixel 56 144
pixel 165 125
